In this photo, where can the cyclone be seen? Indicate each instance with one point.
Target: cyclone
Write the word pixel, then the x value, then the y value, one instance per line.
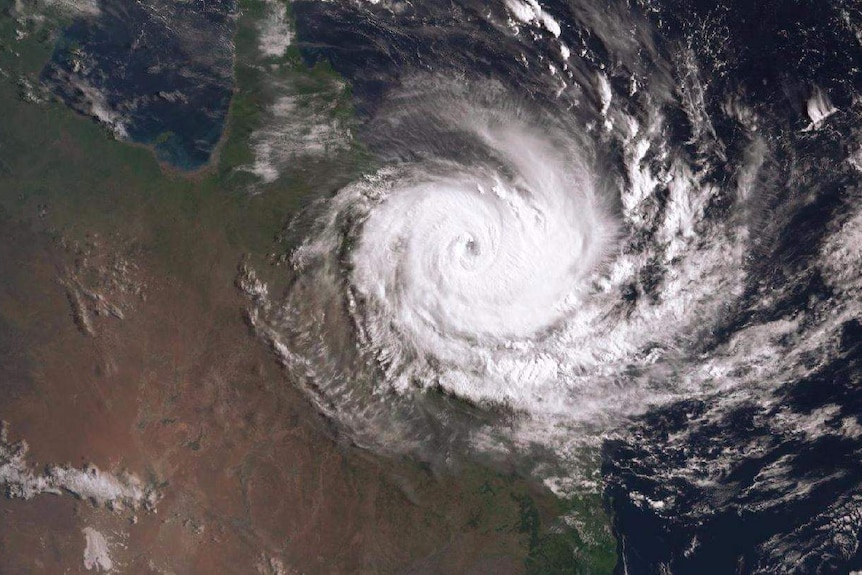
pixel 458 266
pixel 472 255
pixel 493 259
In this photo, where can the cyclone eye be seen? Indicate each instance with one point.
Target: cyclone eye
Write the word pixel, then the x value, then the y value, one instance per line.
pixel 472 247
pixel 467 250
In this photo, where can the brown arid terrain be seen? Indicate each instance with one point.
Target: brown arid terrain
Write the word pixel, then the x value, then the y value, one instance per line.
pixel 111 364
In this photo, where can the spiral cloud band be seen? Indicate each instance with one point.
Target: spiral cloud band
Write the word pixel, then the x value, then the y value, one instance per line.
pixel 490 260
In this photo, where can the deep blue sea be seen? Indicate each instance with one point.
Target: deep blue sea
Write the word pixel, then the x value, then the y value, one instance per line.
pixel 164 70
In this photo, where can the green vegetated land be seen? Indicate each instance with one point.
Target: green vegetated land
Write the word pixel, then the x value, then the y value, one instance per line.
pixel 64 175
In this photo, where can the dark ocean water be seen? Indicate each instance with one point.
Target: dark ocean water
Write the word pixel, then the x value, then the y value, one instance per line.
pixel 731 521
pixel 808 522
pixel 163 70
